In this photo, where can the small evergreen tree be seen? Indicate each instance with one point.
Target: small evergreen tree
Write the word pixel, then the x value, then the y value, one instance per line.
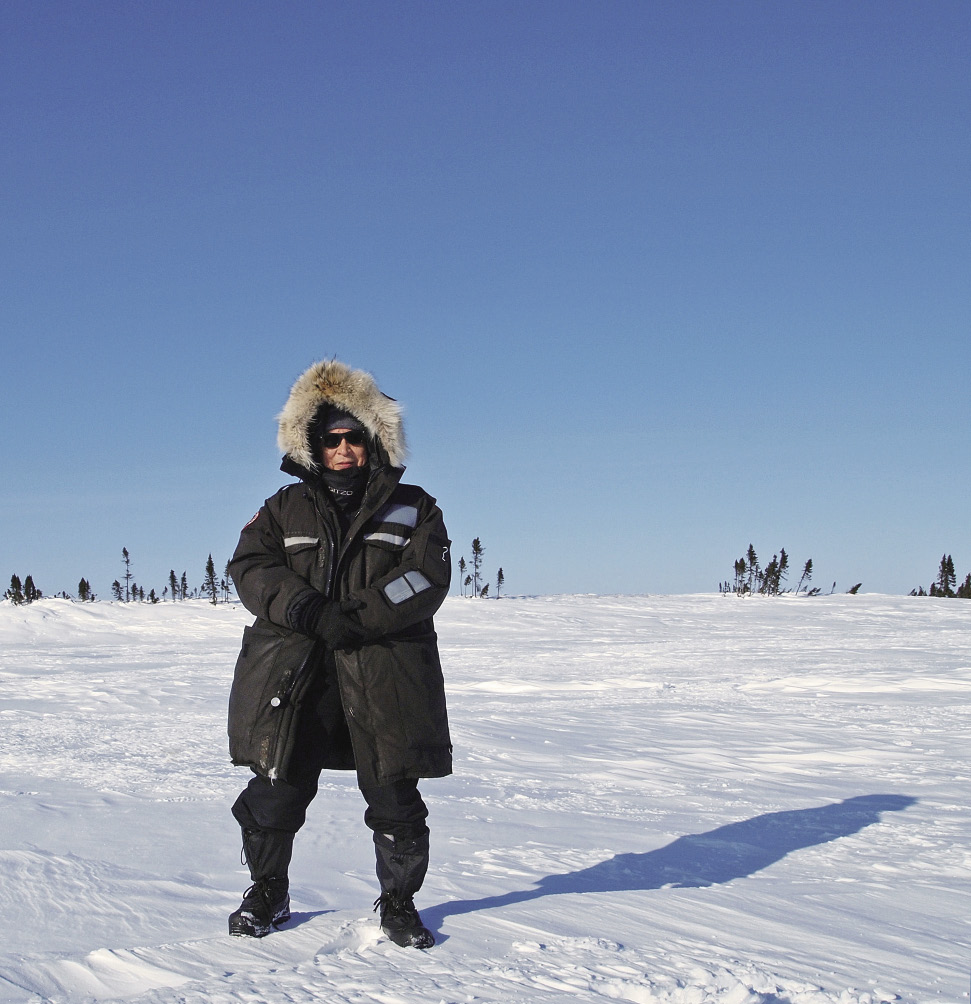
pixel 126 561
pixel 16 591
pixel 462 568
pixel 210 586
pixel 116 592
pixel 807 574
pixel 477 551
pixel 84 590
pixel 500 582
pixel 152 598
pixel 31 592
pixel 946 579
pixel 173 584
pixel 484 591
pixel 183 587
pixel 753 568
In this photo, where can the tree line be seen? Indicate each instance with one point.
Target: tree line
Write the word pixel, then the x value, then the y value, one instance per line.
pixel 126 590
pixel 750 577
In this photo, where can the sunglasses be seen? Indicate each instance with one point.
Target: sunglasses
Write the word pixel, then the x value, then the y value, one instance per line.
pixel 332 440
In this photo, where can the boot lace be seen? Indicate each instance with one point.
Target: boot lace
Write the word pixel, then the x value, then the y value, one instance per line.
pixel 396 905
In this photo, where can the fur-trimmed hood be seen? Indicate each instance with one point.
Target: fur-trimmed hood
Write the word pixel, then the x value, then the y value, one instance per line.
pixel 332 383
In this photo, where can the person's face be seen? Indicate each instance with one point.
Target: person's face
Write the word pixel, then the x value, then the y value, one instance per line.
pixel 349 449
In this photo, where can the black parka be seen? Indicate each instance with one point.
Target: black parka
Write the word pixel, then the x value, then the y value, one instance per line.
pixel 394 559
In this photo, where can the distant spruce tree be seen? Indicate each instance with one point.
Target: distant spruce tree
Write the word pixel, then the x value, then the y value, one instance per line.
pixel 462 568
pixel 183 587
pixel 477 551
pixel 754 571
pixel 484 591
pixel 740 570
pixel 116 592
pixel 16 591
pixel 210 586
pixel 85 594
pixel 946 579
pixel 500 582
pixel 173 584
pixel 31 592
pixel 126 561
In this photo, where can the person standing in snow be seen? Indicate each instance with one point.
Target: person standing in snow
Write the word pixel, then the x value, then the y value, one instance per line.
pixel 344 571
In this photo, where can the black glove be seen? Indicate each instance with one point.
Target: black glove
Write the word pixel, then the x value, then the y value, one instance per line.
pixel 315 615
pixel 336 628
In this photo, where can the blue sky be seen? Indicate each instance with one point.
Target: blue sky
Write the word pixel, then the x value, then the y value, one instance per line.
pixel 654 281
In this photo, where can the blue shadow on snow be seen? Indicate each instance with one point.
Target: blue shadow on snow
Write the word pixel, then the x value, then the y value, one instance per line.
pixel 701 859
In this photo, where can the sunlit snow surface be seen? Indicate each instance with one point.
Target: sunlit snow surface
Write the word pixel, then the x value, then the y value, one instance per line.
pixel 656 799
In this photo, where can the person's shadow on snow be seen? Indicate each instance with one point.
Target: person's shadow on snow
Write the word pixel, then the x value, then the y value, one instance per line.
pixel 701 859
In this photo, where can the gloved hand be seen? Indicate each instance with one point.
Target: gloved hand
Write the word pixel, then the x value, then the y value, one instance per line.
pixel 337 628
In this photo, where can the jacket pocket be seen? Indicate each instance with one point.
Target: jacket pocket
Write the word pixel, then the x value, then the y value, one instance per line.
pixel 259 705
pixel 303 553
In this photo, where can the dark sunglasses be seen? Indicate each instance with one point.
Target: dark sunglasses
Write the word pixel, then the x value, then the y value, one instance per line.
pixel 332 440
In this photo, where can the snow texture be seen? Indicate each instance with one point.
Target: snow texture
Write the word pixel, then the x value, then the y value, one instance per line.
pixel 662 800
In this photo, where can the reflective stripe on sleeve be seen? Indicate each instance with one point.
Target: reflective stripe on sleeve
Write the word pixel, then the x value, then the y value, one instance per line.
pixel 388 538
pixel 297 541
pixel 417 581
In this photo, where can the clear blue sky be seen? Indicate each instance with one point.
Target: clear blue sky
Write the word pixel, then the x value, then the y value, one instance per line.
pixel 654 280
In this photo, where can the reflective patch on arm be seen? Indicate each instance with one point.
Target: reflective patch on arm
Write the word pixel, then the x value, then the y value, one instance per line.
pixel 398 590
pixel 405 586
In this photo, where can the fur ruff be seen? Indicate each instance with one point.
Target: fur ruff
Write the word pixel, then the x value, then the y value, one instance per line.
pixel 355 391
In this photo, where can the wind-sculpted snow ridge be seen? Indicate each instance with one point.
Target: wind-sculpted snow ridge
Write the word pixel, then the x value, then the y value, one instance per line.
pixel 662 800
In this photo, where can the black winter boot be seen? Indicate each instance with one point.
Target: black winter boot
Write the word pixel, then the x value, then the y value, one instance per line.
pixel 266 904
pixel 401 867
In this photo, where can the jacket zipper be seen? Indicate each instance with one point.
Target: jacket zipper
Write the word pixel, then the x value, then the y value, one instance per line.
pixel 326 559
pixel 328 562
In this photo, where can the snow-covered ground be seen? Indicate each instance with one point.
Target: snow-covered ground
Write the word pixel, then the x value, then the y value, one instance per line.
pixel 656 799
